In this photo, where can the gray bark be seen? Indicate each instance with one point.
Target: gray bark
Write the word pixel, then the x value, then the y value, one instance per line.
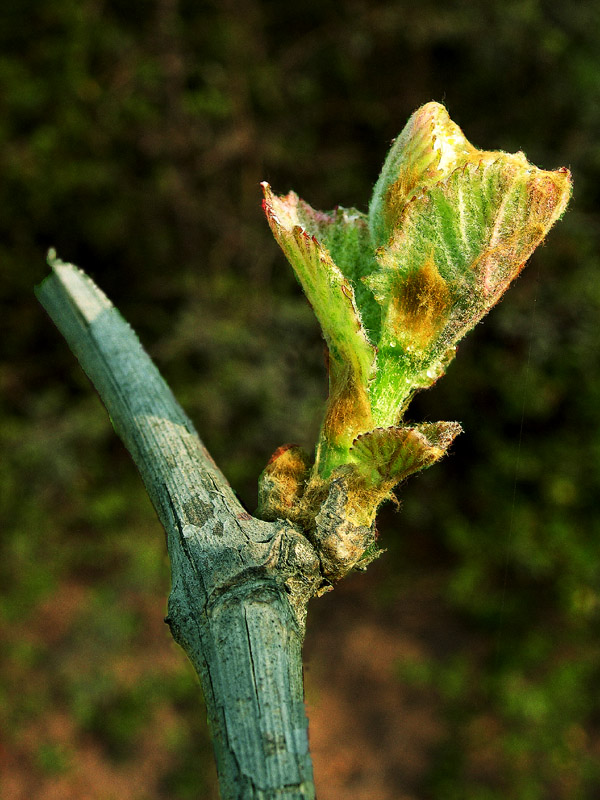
pixel 240 585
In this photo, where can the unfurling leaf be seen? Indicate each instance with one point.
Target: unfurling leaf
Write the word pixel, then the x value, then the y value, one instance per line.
pixel 389 455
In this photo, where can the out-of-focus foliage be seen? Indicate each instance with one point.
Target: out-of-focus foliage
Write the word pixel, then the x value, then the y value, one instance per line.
pixel 133 137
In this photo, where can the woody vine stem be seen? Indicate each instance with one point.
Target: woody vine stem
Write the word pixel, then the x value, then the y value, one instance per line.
pixel 447 230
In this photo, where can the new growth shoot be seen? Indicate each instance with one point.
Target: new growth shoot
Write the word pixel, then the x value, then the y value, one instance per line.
pixel 447 230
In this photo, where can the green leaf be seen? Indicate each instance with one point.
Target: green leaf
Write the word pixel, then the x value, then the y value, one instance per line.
pixel 386 456
pixel 344 233
pixel 456 249
pixel 429 148
pixel 329 291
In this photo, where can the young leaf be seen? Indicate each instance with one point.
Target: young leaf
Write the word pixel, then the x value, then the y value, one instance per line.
pixel 429 148
pixel 454 252
pixel 389 455
pixel 330 292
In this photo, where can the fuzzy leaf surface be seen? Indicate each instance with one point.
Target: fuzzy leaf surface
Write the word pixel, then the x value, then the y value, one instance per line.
pixel 456 249
pixel 429 147
pixel 329 291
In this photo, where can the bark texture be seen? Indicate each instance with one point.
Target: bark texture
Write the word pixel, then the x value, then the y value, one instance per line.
pixel 240 585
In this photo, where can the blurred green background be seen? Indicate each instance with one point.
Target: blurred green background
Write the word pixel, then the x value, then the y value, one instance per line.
pixel 133 137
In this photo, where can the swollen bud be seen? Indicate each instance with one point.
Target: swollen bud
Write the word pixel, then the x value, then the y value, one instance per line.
pixel 282 482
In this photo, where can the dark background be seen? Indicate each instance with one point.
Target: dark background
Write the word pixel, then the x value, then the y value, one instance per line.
pixel 133 137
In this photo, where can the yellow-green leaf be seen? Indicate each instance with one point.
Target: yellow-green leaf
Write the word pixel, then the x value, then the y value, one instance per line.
pixel 429 147
pixel 328 290
pixel 386 456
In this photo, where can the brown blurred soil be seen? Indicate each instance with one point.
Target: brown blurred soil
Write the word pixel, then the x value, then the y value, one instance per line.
pixel 371 736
